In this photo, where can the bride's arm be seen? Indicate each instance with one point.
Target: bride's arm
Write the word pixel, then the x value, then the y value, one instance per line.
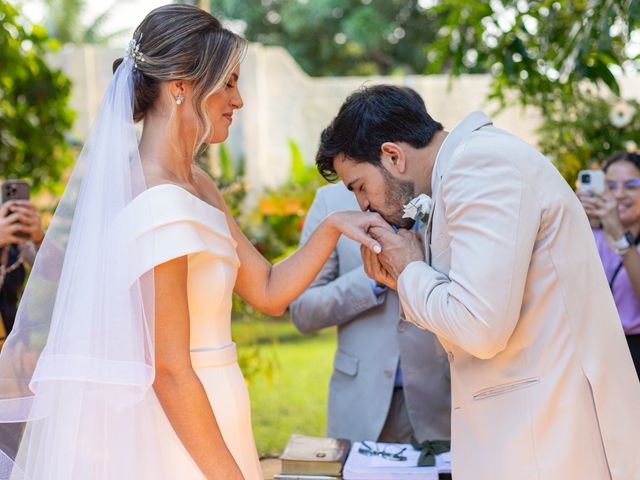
pixel 271 288
pixel 176 384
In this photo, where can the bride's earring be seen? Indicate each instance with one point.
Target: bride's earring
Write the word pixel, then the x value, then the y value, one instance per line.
pixel 180 99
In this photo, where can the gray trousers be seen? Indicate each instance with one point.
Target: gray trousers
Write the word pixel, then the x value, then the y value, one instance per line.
pixel 397 427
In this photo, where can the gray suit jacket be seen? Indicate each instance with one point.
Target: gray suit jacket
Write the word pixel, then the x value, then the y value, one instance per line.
pixel 371 341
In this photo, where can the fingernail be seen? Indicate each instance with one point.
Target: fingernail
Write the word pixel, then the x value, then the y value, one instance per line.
pixel 377 248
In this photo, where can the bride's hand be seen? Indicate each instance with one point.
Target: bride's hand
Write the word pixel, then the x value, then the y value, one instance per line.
pixel 355 225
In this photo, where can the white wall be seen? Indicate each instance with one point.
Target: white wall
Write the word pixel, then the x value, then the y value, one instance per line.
pixel 283 103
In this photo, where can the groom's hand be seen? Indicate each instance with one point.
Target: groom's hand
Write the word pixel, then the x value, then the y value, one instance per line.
pixel 374 269
pixel 398 250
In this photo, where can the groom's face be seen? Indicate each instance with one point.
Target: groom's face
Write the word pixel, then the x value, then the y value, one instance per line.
pixel 377 189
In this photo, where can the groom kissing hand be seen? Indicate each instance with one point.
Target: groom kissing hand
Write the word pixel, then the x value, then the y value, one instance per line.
pixel 510 282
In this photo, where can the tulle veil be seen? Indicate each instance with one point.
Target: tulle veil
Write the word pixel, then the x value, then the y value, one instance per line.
pixel 76 370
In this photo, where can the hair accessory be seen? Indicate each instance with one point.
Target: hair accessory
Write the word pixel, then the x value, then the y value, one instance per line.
pixel 133 51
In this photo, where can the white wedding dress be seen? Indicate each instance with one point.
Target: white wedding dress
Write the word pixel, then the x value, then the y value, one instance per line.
pixel 171 222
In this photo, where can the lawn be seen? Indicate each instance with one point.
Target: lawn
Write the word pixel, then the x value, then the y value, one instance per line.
pixel 288 376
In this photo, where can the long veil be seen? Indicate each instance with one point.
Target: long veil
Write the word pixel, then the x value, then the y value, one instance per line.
pixel 78 365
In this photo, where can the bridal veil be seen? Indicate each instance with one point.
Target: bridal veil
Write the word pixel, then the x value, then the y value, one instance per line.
pixel 75 370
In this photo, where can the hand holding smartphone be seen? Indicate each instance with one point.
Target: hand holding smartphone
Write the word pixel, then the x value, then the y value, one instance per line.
pixel 15 190
pixel 591 181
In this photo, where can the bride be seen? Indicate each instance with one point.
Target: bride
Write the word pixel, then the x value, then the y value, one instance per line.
pixel 121 363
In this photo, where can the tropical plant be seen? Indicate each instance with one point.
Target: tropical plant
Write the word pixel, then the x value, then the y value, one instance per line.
pixel 339 37
pixel 538 52
pixel 558 56
pixel 589 131
pixel 34 103
pixel 279 216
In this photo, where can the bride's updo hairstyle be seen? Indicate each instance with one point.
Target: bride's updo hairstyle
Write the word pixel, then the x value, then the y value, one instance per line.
pixel 182 42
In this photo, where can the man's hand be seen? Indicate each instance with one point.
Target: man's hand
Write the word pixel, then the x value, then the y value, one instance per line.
pixel 398 251
pixel 374 269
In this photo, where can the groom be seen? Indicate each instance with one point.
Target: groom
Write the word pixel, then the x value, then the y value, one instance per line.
pixel 508 278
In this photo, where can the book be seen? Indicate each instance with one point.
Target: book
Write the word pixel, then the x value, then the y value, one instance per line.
pixel 319 456
pixel 362 465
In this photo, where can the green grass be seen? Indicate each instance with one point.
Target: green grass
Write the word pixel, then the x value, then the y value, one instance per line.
pixel 288 377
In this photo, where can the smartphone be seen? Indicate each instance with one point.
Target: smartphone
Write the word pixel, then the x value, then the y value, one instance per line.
pixel 15 190
pixel 591 180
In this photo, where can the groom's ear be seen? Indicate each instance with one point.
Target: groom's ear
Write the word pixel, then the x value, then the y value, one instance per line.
pixel 393 157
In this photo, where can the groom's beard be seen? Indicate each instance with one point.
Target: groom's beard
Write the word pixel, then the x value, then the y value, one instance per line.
pixel 397 194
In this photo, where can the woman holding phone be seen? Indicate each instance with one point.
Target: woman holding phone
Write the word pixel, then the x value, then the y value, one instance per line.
pixel 615 216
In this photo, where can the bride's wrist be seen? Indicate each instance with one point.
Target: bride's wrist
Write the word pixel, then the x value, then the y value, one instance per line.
pixel 332 223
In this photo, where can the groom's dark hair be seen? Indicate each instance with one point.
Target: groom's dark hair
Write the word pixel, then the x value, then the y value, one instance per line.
pixel 370 117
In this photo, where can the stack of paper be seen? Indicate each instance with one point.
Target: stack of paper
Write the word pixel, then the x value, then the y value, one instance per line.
pixel 361 466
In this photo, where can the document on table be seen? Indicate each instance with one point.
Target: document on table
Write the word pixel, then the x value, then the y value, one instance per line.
pixel 360 466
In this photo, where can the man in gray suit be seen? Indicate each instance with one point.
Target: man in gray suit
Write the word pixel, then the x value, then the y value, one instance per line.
pixel 390 379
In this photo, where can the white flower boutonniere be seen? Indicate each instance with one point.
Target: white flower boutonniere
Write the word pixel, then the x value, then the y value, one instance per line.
pixel 418 208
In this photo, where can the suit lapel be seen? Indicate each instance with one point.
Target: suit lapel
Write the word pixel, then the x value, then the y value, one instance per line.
pixel 426 235
pixel 465 127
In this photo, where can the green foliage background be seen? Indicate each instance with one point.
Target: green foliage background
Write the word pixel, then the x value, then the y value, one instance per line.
pixel 374 37
pixel 34 111
pixel 540 53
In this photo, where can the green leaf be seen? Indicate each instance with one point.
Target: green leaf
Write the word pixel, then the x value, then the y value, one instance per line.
pixel 299 171
pixel 226 166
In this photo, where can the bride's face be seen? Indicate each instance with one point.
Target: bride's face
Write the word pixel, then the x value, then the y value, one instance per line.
pixel 221 106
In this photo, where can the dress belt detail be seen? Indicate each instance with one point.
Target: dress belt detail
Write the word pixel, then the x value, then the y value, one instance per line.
pixel 214 357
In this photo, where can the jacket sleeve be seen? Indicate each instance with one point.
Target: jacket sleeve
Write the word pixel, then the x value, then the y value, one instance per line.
pixel 334 297
pixel 492 218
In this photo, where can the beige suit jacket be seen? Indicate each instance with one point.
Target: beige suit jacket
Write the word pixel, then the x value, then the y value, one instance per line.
pixel 543 386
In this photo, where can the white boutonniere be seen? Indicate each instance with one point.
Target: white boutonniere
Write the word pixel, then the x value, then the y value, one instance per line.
pixel 418 208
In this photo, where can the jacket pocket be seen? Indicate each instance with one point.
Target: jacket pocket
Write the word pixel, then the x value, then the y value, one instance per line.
pixel 505 388
pixel 345 364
